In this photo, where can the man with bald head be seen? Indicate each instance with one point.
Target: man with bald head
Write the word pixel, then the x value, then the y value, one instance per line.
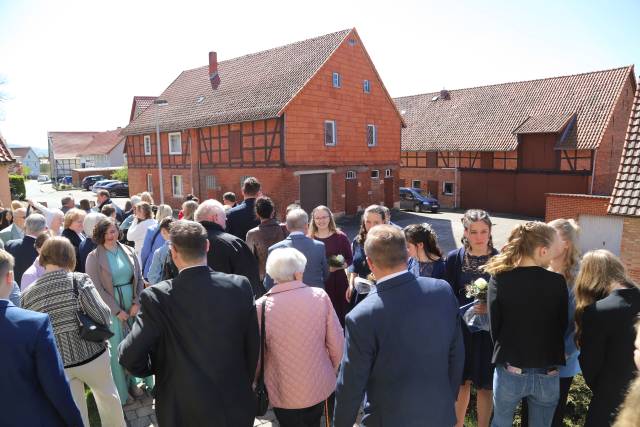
pixel 227 253
pixel 15 230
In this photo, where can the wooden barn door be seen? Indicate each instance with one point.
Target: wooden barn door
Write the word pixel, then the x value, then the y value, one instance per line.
pixel 313 191
pixel 389 186
pixel 433 187
pixel 351 196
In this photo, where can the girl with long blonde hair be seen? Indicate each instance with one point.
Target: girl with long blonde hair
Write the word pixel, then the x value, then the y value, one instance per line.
pixel 607 305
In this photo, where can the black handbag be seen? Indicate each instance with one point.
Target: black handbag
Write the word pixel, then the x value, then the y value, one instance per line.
pixel 262 397
pixel 90 330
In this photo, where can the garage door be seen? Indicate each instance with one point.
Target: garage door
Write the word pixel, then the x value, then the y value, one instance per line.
pixel 313 191
pixel 600 232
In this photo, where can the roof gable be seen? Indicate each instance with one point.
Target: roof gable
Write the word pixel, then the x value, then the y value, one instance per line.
pixel 75 144
pixel 253 87
pixel 625 199
pixel 139 104
pixel 489 118
pixel 21 152
pixel 5 153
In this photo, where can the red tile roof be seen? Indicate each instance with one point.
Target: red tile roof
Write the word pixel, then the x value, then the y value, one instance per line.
pixel 489 118
pixel 5 153
pixel 253 87
pixel 75 144
pixel 625 199
pixel 140 103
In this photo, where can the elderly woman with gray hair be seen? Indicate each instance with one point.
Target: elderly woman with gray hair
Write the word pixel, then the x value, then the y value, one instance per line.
pixel 304 342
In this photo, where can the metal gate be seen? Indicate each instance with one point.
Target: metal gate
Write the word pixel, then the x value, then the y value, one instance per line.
pixel 600 232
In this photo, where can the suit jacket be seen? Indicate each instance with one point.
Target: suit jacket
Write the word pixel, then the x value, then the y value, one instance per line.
pixel 33 386
pixel 242 218
pixel 152 240
pixel 12 232
pixel 404 349
pixel 24 252
pixel 98 268
pixel 317 270
pixel 198 334
pixel 119 213
pixel 75 241
pixel 606 352
pixel 230 254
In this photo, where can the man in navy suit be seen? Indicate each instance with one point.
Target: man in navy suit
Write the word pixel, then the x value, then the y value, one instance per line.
pixel 403 345
pixel 242 218
pixel 33 388
pixel 317 270
pixel 24 250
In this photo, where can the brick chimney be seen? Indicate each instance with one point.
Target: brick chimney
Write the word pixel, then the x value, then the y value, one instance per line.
pixel 444 94
pixel 213 70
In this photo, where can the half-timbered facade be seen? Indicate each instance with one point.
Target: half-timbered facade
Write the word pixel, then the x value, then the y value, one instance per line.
pixel 311 120
pixel 503 147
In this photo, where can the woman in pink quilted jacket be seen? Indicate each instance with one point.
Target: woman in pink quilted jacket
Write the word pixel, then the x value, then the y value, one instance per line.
pixel 304 342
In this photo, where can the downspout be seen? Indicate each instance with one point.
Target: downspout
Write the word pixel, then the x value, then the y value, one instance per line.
pixel 457 189
pixel 593 170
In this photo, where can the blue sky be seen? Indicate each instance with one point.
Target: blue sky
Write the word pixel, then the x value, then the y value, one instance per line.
pixel 75 65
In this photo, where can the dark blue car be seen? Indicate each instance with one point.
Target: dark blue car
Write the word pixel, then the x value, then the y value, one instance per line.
pixel 413 199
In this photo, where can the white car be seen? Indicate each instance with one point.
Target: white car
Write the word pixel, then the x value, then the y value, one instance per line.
pixel 43 178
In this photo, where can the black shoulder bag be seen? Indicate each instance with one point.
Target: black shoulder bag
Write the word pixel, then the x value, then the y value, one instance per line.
pixel 90 330
pixel 262 397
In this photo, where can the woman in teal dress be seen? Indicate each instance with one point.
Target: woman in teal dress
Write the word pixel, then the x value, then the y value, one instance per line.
pixel 115 270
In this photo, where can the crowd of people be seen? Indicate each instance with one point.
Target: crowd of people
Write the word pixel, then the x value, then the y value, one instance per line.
pixel 204 307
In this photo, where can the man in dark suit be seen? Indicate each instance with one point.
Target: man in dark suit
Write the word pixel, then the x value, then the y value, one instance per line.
pixel 24 250
pixel 317 270
pixel 243 218
pixel 103 198
pixel 403 345
pixel 227 253
pixel 198 334
pixel 33 385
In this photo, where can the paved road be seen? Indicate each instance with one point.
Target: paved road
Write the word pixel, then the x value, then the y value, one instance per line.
pixel 46 193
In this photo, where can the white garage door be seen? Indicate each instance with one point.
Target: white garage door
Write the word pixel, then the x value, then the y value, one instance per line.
pixel 600 232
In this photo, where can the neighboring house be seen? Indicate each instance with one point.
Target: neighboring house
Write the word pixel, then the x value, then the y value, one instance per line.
pixel 311 120
pixel 75 150
pixel 26 156
pixel 502 147
pixel 6 160
pixel 613 222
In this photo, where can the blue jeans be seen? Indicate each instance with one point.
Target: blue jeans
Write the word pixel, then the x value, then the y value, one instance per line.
pixel 540 388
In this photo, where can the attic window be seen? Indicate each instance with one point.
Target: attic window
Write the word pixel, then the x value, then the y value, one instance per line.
pixel 366 86
pixel 435 98
pixel 352 42
pixel 337 81
pixel 200 99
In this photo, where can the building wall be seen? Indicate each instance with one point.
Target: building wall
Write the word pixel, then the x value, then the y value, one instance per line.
pixel 611 145
pixel 32 161
pixel 350 107
pixel 631 247
pixel 424 175
pixel 5 190
pixel 573 205
pixel 116 156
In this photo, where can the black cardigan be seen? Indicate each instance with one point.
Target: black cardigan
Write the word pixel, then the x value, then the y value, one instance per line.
pixel 528 309
pixel 606 353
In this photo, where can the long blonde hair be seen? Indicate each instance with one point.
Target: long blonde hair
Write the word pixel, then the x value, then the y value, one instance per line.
pixel 313 228
pixel 599 269
pixel 569 231
pixel 523 241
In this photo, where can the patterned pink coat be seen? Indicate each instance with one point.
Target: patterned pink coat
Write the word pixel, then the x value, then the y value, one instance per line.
pixel 303 347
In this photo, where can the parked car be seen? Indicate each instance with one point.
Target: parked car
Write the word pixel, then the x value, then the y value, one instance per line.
pixel 88 181
pixel 43 178
pixel 413 199
pixel 67 179
pixel 100 184
pixel 117 189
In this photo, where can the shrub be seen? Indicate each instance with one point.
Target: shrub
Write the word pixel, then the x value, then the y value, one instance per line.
pixel 121 175
pixel 17 187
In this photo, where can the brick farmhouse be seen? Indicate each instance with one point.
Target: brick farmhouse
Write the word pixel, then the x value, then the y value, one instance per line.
pixel 311 120
pixel 503 147
pixel 6 161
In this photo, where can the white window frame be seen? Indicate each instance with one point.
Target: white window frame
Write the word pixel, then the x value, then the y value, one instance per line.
pixel 388 173
pixel 336 80
pixel 174 186
pixel 150 183
pixel 147 145
pixel 375 135
pixel 413 182
pixel 444 187
pixel 375 174
pixel 334 135
pixel 351 175
pixel 366 86
pixel 211 182
pixel 179 151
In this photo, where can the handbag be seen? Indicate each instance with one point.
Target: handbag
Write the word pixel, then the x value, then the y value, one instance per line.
pixel 262 397
pixel 90 330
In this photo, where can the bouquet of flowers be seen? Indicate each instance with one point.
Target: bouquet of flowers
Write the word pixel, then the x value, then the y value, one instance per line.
pixel 336 261
pixel 477 321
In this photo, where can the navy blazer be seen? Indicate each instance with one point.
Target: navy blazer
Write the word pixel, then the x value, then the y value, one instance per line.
pixel 242 218
pixel 403 347
pixel 24 252
pixel 33 387
pixel 317 270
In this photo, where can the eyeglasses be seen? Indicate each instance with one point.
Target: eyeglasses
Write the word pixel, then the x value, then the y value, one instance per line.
pixel 321 218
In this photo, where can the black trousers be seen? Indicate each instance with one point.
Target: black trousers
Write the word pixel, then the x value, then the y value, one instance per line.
pixel 558 416
pixel 305 417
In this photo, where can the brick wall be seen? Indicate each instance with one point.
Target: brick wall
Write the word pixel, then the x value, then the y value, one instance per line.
pixel 612 142
pixel 573 205
pixel 424 175
pixel 350 107
pixel 631 247
pixel 5 191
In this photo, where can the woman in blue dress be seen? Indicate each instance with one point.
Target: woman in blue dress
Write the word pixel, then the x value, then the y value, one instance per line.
pixel 425 257
pixel 463 266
